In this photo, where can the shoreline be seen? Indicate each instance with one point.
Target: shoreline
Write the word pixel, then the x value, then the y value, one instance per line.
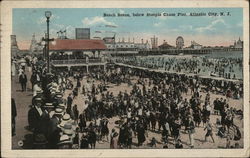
pixel 189 74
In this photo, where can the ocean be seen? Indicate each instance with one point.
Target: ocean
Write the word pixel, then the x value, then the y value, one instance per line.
pixel 202 64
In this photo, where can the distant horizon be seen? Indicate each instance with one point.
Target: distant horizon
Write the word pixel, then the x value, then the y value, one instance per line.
pixel 27 47
pixel 207 30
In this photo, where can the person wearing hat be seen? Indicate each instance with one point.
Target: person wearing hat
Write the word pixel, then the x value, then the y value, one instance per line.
pixel 104 128
pixel 61 106
pixel 92 137
pixel 33 79
pixel 129 114
pixel 176 126
pixel 40 142
pixel 36 88
pixel 141 134
pixel 53 129
pixel 23 81
pixel 65 142
pixel 75 113
pixel 38 117
pixel 82 121
pixel 114 141
pixel 67 129
pixel 65 119
pixel 84 141
pixel 69 103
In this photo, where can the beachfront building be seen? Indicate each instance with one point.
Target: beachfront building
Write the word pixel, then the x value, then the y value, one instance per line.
pixel 109 42
pixel 238 44
pixel 143 46
pixel 123 47
pixel 179 42
pixel 77 53
pixel 195 45
pixel 166 46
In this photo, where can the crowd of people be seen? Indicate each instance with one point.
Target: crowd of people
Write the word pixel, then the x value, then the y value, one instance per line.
pixel 227 68
pixel 156 104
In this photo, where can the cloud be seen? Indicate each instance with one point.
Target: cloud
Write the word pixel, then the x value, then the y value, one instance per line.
pixel 96 20
pixel 42 19
pixel 211 27
pixel 186 27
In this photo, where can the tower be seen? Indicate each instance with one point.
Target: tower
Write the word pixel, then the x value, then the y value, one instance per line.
pixel 33 43
pixel 14 46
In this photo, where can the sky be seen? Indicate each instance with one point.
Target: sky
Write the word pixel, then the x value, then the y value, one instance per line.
pixel 205 30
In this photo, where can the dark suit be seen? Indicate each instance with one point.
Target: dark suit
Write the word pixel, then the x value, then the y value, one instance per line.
pixel 53 132
pixel 33 79
pixel 23 81
pixel 37 122
pixel 53 122
pixel 13 116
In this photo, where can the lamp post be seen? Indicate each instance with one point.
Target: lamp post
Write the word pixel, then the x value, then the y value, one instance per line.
pixel 48 15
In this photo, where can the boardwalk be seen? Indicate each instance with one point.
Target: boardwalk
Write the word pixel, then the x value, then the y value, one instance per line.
pixel 23 100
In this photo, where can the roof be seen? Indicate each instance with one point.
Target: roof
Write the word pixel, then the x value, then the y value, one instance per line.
pixel 166 45
pixel 109 40
pixel 195 43
pixel 76 44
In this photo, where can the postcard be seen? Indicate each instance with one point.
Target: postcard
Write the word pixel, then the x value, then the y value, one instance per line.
pixel 125 79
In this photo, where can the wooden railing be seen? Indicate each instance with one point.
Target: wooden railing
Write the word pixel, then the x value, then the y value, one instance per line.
pixel 76 61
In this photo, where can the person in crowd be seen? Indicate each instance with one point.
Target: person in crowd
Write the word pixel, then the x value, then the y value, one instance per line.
pixel 178 144
pixel 176 129
pixel 69 103
pixel 23 81
pixel 153 142
pixel 53 129
pixel 191 131
pixel 104 128
pixel 140 133
pixel 75 113
pixel 209 129
pixel 65 142
pixel 84 141
pixel 92 137
pixel 82 121
pixel 40 142
pixel 38 117
pixel 13 116
pixel 114 141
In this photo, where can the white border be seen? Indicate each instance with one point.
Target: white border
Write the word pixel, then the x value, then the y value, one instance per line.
pixel 6 28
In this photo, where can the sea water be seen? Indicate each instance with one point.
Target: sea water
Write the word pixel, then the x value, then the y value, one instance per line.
pixel 158 62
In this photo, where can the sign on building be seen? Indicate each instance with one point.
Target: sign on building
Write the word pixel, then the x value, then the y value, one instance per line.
pixel 82 33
